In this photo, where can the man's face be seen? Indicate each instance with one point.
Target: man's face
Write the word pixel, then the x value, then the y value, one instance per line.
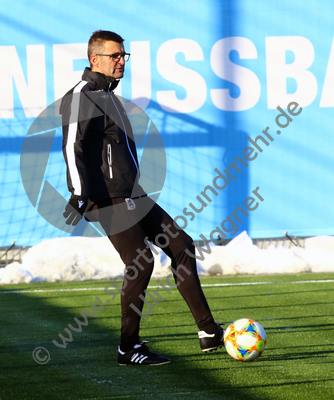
pixel 106 65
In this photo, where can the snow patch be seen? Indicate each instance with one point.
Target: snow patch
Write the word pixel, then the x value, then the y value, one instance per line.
pixel 81 258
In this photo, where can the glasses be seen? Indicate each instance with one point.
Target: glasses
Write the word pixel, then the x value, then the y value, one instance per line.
pixel 117 56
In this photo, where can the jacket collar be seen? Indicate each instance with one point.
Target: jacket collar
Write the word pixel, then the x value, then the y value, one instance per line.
pixel 100 81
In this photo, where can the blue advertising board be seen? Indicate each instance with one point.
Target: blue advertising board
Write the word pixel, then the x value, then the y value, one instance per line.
pixel 241 93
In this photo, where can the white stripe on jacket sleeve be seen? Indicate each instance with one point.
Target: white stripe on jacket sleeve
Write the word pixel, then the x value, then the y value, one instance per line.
pixel 72 133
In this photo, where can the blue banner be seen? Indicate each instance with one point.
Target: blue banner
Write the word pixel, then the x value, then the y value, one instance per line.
pixel 242 96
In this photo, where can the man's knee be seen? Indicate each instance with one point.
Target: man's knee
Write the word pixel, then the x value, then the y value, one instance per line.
pixel 189 245
pixel 187 241
pixel 131 272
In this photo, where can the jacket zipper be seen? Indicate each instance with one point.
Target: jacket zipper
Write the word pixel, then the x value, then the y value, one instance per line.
pixel 126 135
pixel 110 160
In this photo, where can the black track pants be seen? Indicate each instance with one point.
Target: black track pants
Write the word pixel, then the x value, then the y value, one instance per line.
pixel 132 245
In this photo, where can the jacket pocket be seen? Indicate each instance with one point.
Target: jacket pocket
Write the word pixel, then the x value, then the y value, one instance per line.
pixel 109 158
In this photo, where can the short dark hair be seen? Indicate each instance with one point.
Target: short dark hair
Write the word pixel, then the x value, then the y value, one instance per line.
pixel 98 38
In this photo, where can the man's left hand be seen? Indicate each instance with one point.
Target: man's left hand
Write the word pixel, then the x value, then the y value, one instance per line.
pixel 74 210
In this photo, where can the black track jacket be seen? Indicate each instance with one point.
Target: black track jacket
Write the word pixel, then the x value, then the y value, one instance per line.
pixel 98 143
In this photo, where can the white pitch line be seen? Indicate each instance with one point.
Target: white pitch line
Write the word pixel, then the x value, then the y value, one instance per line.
pixel 155 287
pixel 264 283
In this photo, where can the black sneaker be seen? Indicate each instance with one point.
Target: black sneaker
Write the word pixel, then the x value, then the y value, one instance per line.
pixel 210 342
pixel 140 355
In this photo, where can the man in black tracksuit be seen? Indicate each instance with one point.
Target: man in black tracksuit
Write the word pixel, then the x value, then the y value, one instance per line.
pixel 103 174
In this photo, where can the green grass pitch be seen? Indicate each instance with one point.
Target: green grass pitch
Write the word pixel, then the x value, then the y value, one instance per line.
pixel 298 362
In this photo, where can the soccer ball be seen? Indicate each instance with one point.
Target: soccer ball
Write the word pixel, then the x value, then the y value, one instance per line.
pixel 245 339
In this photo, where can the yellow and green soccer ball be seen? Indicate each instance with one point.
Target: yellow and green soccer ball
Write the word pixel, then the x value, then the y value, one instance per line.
pixel 245 339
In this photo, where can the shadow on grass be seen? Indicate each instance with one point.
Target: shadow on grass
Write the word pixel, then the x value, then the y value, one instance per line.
pixel 87 367
pixel 298 356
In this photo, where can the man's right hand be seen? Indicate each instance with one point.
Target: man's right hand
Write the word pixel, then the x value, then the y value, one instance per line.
pixel 74 210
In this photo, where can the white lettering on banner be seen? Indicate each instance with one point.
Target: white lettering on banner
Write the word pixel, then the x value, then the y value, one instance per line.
pixel 31 84
pixel 64 76
pixel 141 73
pixel 192 81
pixel 327 97
pixel 32 93
pixel 278 71
pixel 222 66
